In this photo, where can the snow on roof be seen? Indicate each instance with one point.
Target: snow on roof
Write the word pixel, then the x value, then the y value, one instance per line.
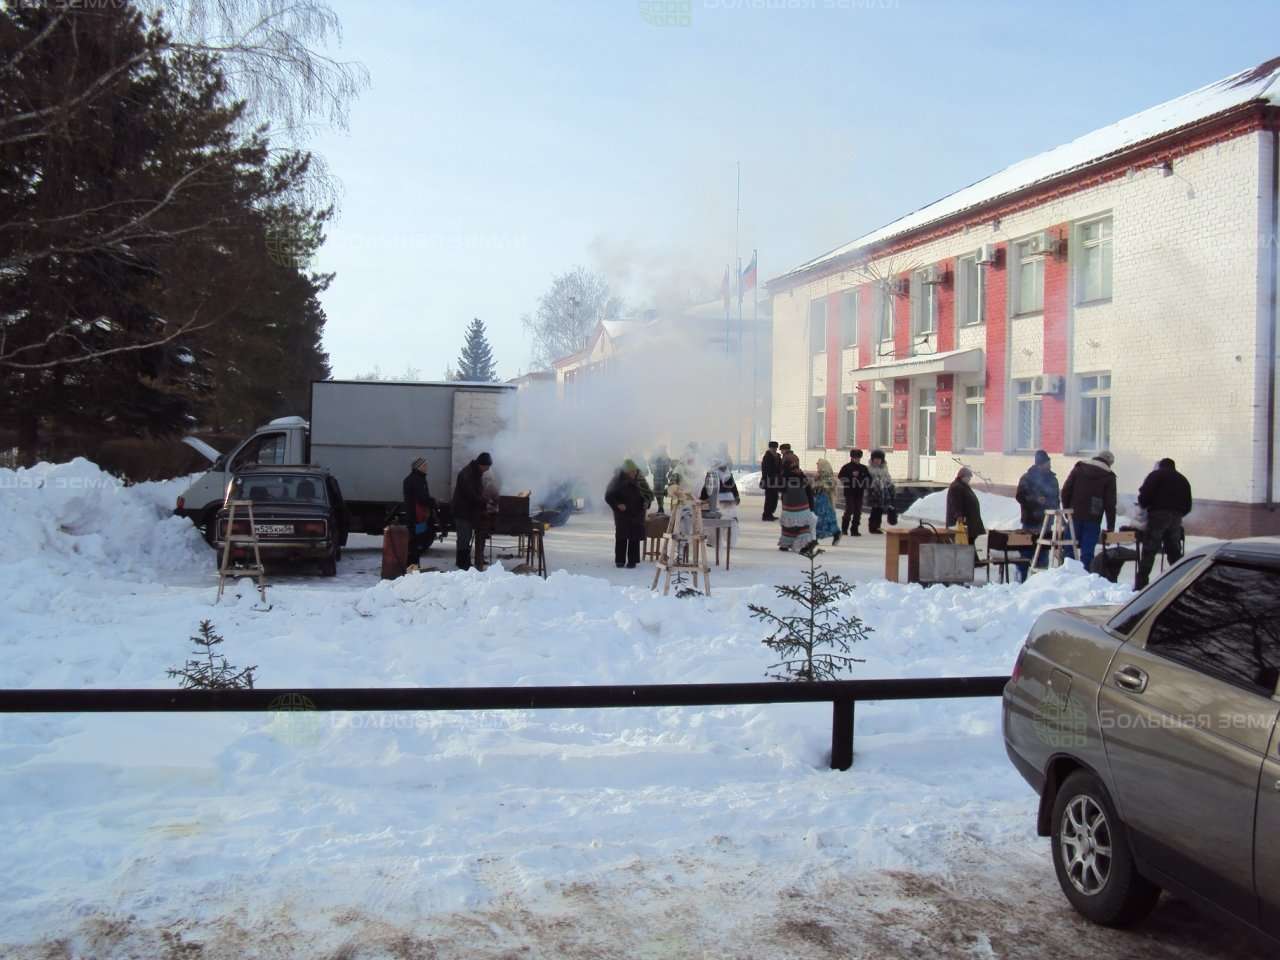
pixel 1247 86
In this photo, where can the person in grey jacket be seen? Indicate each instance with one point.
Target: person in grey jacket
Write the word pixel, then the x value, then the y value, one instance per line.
pixel 880 493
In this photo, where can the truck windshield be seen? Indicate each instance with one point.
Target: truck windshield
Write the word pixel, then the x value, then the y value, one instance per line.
pixel 279 488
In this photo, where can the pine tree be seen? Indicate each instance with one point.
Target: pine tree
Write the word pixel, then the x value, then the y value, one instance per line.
pixel 212 672
pixel 812 644
pixel 475 362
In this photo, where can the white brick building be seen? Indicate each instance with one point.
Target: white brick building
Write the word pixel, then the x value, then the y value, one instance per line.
pixel 1116 292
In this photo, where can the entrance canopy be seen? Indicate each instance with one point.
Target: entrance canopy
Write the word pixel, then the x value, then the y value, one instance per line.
pixel 925 364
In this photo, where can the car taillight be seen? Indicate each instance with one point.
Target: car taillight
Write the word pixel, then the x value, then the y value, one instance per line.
pixel 182 502
pixel 313 528
pixel 1017 664
pixel 240 528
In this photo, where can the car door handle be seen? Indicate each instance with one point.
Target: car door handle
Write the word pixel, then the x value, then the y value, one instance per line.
pixel 1131 678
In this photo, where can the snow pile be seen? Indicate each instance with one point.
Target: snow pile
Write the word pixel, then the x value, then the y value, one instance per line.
pixel 403 815
pixel 75 516
pixel 748 482
pixel 998 513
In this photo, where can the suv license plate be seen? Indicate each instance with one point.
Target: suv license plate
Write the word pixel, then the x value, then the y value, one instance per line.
pixel 273 529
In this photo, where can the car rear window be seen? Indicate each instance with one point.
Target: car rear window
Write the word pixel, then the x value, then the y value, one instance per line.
pixel 1133 612
pixel 279 488
pixel 1226 624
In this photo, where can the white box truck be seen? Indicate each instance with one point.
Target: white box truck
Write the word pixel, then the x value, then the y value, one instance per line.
pixel 367 433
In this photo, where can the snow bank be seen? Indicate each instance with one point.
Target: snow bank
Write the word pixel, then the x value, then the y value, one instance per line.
pixel 748 482
pixel 998 513
pixel 75 516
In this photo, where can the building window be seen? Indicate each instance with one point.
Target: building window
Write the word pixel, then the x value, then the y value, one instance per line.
pixel 884 419
pixel 818 326
pixel 849 319
pixel 972 281
pixel 884 315
pixel 975 408
pixel 924 306
pixel 818 423
pixel 1095 412
pixel 1027 409
pixel 1093 266
pixel 1030 286
pixel 850 419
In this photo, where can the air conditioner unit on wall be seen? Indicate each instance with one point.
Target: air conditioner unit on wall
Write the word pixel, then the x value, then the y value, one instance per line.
pixel 935 274
pixel 1047 384
pixel 1041 244
pixel 902 287
pixel 988 253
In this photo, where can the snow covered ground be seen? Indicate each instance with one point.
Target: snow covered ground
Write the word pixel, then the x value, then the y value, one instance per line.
pixel 684 832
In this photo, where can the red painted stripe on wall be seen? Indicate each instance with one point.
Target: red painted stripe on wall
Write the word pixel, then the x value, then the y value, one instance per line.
pixel 1056 292
pixel 833 369
pixel 946 408
pixel 997 340
pixel 947 308
pixel 866 327
pixel 902 322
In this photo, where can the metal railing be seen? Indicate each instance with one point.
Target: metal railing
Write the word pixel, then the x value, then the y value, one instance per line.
pixel 841 694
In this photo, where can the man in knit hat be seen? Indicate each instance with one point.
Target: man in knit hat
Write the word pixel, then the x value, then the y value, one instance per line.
pixel 1037 494
pixel 628 496
pixel 469 506
pixel 419 506
pixel 1090 495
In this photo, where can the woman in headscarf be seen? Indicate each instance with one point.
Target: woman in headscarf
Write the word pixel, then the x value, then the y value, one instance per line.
pixel 824 492
pixel 721 490
pixel 796 520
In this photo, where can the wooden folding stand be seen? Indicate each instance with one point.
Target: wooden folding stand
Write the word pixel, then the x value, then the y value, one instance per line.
pixel 225 568
pixel 680 550
pixel 1057 532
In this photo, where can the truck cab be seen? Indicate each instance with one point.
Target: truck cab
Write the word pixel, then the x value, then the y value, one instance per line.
pixel 281 441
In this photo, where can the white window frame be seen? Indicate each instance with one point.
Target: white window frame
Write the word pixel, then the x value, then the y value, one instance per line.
pixel 1101 243
pixel 972 405
pixel 885 315
pixel 883 400
pixel 849 415
pixel 970 272
pixel 1098 392
pixel 818 345
pixel 818 407
pixel 1023 395
pixel 924 308
pixel 1026 261
pixel 849 319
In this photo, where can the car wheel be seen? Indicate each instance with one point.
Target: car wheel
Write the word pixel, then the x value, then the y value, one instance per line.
pixel 208 526
pixel 1092 858
pixel 329 567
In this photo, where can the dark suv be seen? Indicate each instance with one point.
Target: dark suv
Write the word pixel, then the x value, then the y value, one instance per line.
pixel 1150 732
pixel 298 514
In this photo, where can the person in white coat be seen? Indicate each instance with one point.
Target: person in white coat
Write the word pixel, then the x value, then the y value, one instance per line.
pixel 721 490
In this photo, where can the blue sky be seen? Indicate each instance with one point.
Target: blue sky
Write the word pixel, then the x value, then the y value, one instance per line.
pixel 502 143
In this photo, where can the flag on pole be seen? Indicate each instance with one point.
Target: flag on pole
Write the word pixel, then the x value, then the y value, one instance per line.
pixel 724 290
pixel 748 278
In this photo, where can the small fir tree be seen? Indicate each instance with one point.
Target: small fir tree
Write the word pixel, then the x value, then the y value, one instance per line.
pixel 475 362
pixel 812 644
pixel 212 672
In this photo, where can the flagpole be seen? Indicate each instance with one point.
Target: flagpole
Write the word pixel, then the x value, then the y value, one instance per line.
pixel 755 353
pixel 737 224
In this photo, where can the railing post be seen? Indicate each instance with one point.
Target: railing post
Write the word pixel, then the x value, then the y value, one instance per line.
pixel 842 733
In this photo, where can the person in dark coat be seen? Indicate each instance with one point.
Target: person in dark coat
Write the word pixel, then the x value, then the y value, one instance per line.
pixel 1166 496
pixel 854 479
pixel 469 508
pixel 962 504
pixel 419 507
pixel 1090 495
pixel 629 498
pixel 880 492
pixel 770 474
pixel 1037 494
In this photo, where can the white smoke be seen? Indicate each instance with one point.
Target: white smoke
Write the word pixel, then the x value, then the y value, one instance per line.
pixel 664 389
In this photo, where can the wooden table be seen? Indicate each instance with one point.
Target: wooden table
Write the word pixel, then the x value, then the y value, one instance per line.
pixel 726 524
pixel 896 545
